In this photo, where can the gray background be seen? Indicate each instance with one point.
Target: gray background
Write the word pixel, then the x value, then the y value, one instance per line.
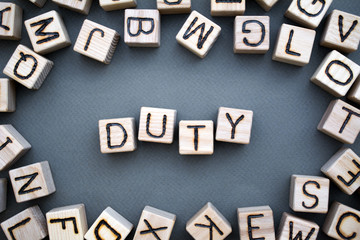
pixel 60 121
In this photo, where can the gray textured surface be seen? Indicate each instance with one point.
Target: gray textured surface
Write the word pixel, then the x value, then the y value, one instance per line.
pixel 60 121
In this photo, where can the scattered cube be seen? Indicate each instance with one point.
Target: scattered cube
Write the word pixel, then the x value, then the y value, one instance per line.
pixel 47 32
pixel 198 34
pixel 109 225
pixel 227 7
pixel 292 227
pixel 39 3
pixel 341 121
pixel 308 13
pixel 3 194
pixel 354 94
pixel 142 28
pixel 82 6
pixel 155 224
pixel 111 5
pixel 7 95
pixel 13 146
pixel 252 34
pixel 294 45
pixel 11 17
pixel 29 224
pixel 342 32
pixel 266 4
pixel 32 181
pixel 67 223
pixel 97 41
pixel 208 223
pixel 309 194
pixel 173 6
pixel 256 223
pixel 344 170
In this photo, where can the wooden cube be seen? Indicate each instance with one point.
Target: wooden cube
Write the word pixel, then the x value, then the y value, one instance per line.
pixel 3 194
pixel 82 6
pixel 344 170
pixel 173 6
pixel 198 34
pixel 7 95
pixel 227 7
pixel 342 222
pixel 342 32
pixel 28 68
pixel 117 135
pixel 67 223
pixel 252 34
pixel 29 224
pixel 111 5
pixel 309 194
pixel 256 223
pixel 196 137
pixel 11 17
pixel 341 121
pixel 157 125
pixel 39 3
pixel 32 181
pixel 294 45
pixel 354 94
pixel 292 227
pixel 142 28
pixel 154 224
pixel 12 146
pixel 308 13
pixel 97 41
pixel 208 223
pixel 47 32
pixel 109 225
pixel 267 4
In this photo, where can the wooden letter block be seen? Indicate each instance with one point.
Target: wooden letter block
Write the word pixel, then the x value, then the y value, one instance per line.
pixel 344 170
pixel 292 227
pixel 227 7
pixel 142 28
pixel 29 224
pixel 117 135
pixel 354 94
pixel 111 5
pixel 7 95
pixel 342 32
pixel 196 137
pixel 157 125
pixel 208 223
pixel 154 224
pixel 294 45
pixel 67 223
pixel 109 225
pixel 32 181
pixel 341 121
pixel 256 223
pixel 3 194
pixel 342 222
pixel 174 6
pixel 12 146
pixel 198 34
pixel 47 32
pixel 252 34
pixel 266 4
pixel 309 194
pixel 97 41
pixel 39 3
pixel 82 6
pixel 11 16
pixel 308 13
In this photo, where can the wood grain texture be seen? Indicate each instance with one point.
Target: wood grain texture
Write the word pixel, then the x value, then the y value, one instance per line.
pixel 39 3
pixel 7 95
pixel 12 17
pixel 82 6
pixel 354 93
pixel 173 6
pixel 267 4
pixel 3 194
pixel 230 8
pixel 110 5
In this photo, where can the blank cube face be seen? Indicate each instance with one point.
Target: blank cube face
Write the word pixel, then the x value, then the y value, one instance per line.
pixel 47 32
pixel 32 181
pixel 110 5
pixel 341 121
pixel 13 146
pixel 342 32
pixel 155 224
pixel 354 94
pixel 227 7
pixel 198 34
pixel 3 194
pixel 7 95
pixel 294 45
pixel 309 194
pixel 67 223
pixel 291 227
pixel 252 34
pixel 266 4
pixel 157 125
pixel 173 6
pixel 96 41
pixel 142 28
pixel 29 224
pixel 336 74
pixel 117 135
pixel 10 21
pixel 308 13
pixel 82 6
